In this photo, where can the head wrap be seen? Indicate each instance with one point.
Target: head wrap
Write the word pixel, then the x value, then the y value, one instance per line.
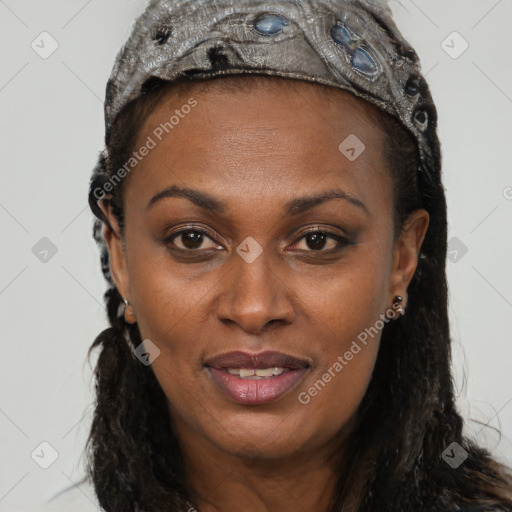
pixel 350 44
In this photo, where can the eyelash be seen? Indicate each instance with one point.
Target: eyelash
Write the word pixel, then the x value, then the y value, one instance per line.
pixel 342 241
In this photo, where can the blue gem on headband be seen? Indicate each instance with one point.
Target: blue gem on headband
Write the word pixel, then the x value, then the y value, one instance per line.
pixel 343 35
pixel 270 24
pixel 361 57
pixel 363 60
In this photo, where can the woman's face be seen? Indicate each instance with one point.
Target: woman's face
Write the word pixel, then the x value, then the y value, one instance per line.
pixel 249 285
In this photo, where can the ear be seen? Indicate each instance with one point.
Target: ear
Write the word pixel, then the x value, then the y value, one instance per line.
pixel 117 255
pixel 406 252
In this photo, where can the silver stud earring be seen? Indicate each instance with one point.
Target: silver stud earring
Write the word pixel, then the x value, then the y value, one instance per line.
pixel 397 306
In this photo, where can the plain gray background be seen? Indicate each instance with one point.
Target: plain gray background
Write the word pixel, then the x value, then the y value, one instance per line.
pixel 52 131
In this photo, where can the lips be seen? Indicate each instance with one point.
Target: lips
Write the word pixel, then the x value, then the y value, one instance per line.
pixel 253 379
pixel 256 361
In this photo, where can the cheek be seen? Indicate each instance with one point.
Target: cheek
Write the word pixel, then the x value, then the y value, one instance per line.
pixel 346 358
pixel 167 302
pixel 348 311
pixel 352 296
pixel 169 313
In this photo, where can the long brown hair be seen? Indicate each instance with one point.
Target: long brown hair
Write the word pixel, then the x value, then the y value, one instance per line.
pixel 406 419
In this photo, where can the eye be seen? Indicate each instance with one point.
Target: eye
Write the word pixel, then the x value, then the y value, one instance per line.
pixel 190 239
pixel 316 240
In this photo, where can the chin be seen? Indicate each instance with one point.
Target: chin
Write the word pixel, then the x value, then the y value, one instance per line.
pixel 268 436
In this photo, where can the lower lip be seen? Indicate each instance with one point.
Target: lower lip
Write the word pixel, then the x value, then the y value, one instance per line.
pixel 256 391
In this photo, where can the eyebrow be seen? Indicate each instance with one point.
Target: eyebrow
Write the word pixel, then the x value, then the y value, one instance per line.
pixel 296 206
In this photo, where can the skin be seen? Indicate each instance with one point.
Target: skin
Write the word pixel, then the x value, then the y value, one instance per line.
pixel 257 150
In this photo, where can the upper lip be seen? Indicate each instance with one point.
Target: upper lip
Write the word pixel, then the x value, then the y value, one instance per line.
pixel 269 359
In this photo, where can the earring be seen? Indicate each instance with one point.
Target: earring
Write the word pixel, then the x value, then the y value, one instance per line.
pixel 397 305
pixel 129 314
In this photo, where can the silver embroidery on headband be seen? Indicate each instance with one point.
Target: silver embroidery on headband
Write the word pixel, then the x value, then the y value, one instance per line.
pixel 350 44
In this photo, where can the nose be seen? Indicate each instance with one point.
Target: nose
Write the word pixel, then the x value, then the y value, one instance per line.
pixel 254 296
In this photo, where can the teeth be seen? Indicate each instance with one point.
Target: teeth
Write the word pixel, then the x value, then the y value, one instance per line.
pixel 267 372
pixel 245 373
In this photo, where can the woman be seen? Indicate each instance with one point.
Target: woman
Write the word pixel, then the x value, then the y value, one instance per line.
pixel 272 224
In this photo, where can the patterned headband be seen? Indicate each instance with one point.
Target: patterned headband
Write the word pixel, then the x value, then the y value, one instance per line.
pixel 350 44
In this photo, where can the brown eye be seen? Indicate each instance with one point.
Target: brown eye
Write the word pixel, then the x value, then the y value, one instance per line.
pixel 190 239
pixel 318 240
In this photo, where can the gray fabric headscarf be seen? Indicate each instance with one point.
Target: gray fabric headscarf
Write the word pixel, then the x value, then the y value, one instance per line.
pixel 350 44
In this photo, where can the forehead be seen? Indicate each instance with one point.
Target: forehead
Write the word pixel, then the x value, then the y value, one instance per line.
pixel 232 99
pixel 276 135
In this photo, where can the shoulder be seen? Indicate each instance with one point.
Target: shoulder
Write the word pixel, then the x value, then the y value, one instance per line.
pixel 79 497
